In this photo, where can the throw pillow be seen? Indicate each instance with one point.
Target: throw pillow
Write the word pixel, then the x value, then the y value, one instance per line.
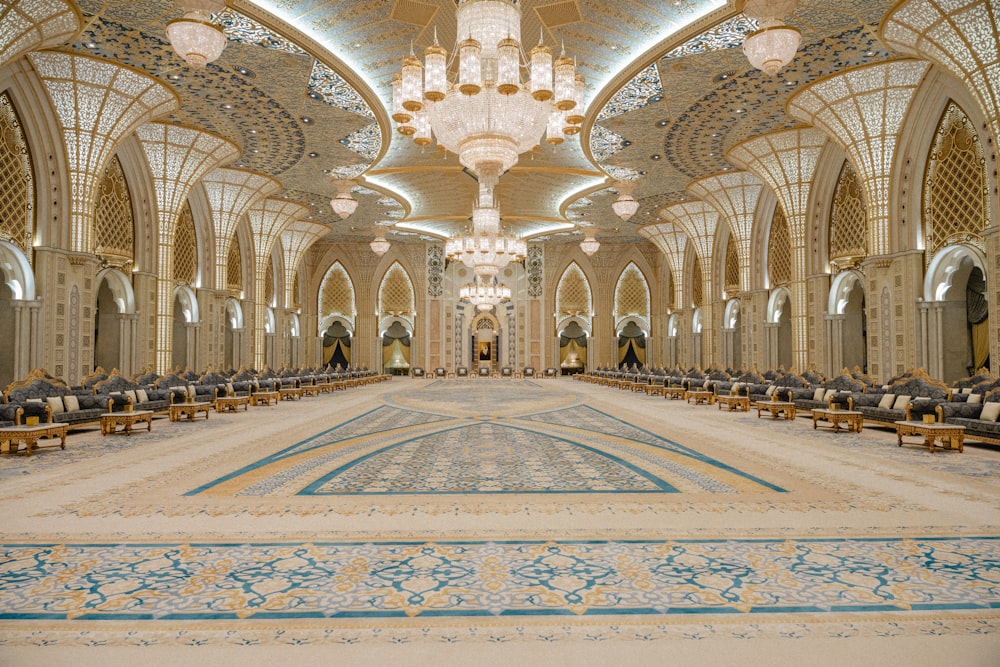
pixel 33 400
pixel 770 391
pixel 901 401
pixel 55 404
pixel 131 394
pixel 886 402
pixel 974 398
pixel 819 394
pixel 72 403
pixel 967 390
pixel 829 393
pixel 990 411
pixel 141 395
pixel 230 390
pixel 191 391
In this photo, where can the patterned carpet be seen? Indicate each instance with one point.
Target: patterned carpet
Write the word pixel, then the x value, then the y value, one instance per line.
pixel 498 511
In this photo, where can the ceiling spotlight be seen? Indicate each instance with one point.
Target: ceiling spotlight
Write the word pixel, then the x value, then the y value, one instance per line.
pixel 194 37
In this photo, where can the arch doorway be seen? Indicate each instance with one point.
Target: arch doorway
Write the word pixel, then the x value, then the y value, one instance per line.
pixel 779 328
pixel 485 341
pixel 185 318
pixel 956 323
pixel 233 334
pixel 732 337
pixel 572 349
pixel 631 345
pixel 849 322
pixel 337 345
pixel 114 330
pixel 396 349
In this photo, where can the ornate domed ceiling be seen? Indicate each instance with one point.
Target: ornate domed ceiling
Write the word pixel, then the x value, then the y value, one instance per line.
pixel 304 88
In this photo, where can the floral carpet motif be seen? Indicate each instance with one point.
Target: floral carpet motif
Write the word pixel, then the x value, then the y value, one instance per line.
pixel 407 579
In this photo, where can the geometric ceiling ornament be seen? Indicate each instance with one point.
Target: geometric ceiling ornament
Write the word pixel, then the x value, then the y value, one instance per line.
pixel 698 220
pixel 33 25
pixel 231 192
pixel 962 36
pixel 645 88
pixel 734 194
pixel 672 242
pixel 98 103
pixel 295 240
pixel 863 110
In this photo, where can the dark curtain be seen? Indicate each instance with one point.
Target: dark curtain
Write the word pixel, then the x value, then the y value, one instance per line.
pixel 977 309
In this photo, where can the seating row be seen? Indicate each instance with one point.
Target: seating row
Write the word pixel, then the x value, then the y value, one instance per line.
pixel 973 402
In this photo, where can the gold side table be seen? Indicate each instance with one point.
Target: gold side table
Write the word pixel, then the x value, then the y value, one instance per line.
pixel 110 421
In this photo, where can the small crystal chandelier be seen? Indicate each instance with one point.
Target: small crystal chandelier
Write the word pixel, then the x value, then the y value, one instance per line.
pixel 626 205
pixel 486 249
pixel 484 295
pixel 589 245
pixel 487 115
pixel 379 244
pixel 774 44
pixel 195 38
pixel 344 204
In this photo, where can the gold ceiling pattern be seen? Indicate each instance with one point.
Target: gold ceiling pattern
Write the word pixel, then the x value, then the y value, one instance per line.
pixel 303 89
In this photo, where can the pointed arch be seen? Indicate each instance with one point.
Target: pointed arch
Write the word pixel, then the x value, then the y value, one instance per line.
pixel 632 298
pixel 396 298
pixel 337 298
pixel 574 298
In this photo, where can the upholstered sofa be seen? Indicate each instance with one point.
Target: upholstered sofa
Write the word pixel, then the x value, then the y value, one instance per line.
pixel 836 390
pixel 66 406
pixel 977 412
pixel 122 392
pixel 906 398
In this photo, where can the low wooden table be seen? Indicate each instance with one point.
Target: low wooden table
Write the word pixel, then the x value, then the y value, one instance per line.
pixel 674 392
pixel 110 421
pixel 785 408
pixel 931 432
pixel 854 418
pixel 30 435
pixel 652 389
pixel 310 390
pixel 264 398
pixel 290 393
pixel 735 403
pixel 700 396
pixel 232 403
pixel 189 410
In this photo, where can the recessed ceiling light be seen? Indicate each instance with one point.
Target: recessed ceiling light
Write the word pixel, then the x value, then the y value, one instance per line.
pixel 91 45
pixel 626 142
pixel 316 96
pixel 306 120
pixel 245 72
pixel 357 45
pixel 791 83
pixel 227 106
pixel 642 173
pixel 174 77
pixel 313 154
pixel 663 123
pixel 741 110
pixel 655 98
pixel 655 156
pixel 252 131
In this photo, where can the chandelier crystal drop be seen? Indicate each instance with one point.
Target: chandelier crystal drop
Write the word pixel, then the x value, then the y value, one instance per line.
pixel 484 294
pixel 487 114
pixel 194 37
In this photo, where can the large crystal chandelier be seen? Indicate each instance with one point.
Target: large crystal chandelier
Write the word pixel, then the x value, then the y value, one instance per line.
pixel 484 294
pixel 774 44
pixel 486 249
pixel 487 115
pixel 195 38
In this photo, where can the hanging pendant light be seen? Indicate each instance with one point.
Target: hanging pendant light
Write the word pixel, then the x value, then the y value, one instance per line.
pixel 626 205
pixel 379 244
pixel 773 44
pixel 344 204
pixel 194 37
pixel 589 245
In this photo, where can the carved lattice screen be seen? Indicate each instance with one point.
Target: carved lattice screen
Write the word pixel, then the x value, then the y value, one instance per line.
pixel 185 248
pixel 779 250
pixel 17 186
pixel 113 222
pixel 848 218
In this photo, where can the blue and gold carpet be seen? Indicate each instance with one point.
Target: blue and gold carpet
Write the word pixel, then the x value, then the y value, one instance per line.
pixel 457 511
